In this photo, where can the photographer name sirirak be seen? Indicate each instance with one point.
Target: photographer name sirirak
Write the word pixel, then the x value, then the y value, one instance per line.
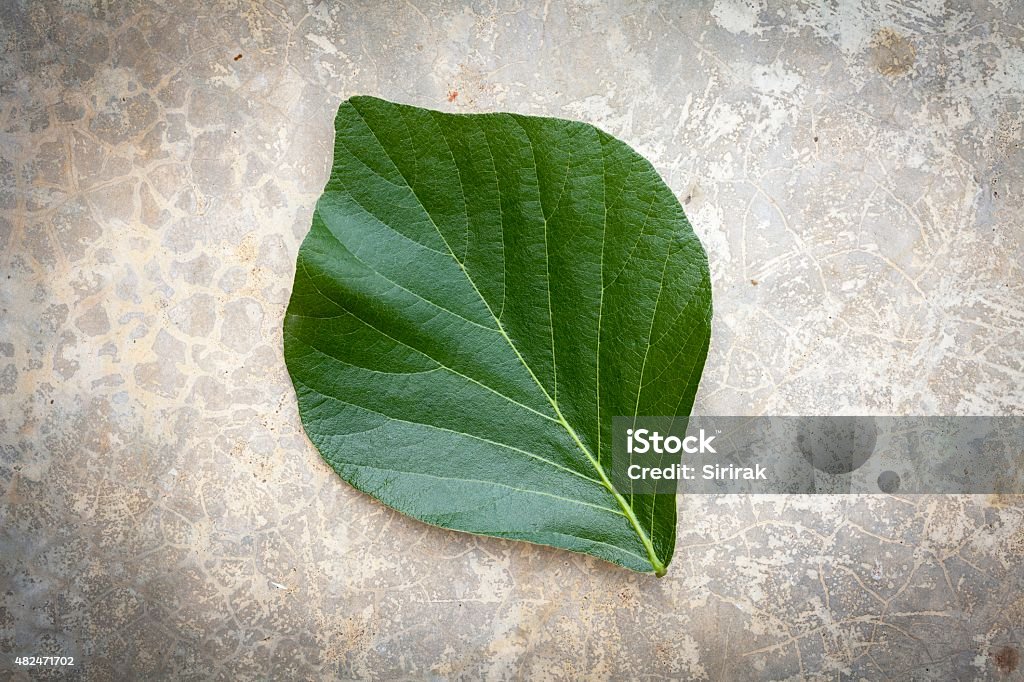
pixel 643 441
pixel 688 472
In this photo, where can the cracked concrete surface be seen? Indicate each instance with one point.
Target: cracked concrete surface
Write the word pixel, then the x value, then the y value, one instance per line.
pixel 855 173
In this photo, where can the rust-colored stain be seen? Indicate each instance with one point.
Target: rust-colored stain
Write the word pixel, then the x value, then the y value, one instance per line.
pixel 1006 659
pixel 237 57
pixel 892 54
pixel 452 95
pixel 1000 499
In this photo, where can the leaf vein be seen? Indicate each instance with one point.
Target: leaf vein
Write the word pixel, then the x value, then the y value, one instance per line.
pixel 440 364
pixel 532 455
pixel 527 491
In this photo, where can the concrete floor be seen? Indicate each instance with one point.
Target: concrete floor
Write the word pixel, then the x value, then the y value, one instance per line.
pixel 854 172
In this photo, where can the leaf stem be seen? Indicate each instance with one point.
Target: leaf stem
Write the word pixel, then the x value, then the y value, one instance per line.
pixel 659 568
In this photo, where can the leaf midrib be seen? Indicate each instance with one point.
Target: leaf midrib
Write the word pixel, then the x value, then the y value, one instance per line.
pixel 658 566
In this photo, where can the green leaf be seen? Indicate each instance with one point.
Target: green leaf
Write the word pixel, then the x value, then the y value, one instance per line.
pixel 477 297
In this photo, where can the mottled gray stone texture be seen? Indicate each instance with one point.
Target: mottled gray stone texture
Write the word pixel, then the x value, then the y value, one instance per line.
pixel 854 169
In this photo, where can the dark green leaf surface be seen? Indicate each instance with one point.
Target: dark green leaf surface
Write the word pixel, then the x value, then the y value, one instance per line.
pixel 477 297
